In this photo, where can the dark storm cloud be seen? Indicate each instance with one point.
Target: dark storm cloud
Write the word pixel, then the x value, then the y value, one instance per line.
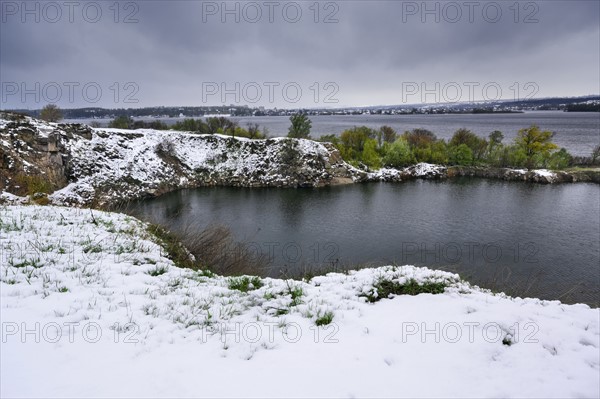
pixel 373 49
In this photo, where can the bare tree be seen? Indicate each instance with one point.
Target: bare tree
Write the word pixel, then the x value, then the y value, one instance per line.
pixel 51 113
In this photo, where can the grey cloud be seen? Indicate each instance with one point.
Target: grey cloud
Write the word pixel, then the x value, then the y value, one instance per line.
pixel 170 52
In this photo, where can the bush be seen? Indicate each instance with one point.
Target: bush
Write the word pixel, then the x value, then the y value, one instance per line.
pixel 388 134
pixel 218 124
pixel 165 148
pixel 300 128
pixel 559 160
pixel 426 147
pixel 156 125
pixel 191 125
pixel 398 154
pixel 461 155
pixel 33 184
pixel 253 131
pixel 384 288
pixel 419 138
pixel 213 249
pixel 439 153
pixel 51 113
pixel 478 146
pixel 289 154
pixel 352 142
pixel 369 155
pixel 121 122
pixel 515 156
pixel 329 138
pixel 536 145
pixel 596 155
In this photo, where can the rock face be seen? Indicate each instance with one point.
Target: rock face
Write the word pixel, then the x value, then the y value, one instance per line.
pixel 429 171
pixel 79 165
pixel 86 166
pixel 533 176
pixel 34 153
pixel 418 171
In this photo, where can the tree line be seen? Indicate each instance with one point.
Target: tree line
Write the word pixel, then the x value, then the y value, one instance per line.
pixel 531 148
pixel 212 125
pixel 375 148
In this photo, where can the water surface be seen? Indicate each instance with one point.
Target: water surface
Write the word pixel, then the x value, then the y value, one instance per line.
pixel 578 132
pixel 538 240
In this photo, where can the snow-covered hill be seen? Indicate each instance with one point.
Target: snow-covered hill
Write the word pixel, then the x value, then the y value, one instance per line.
pixel 80 165
pixel 92 307
pixel 95 166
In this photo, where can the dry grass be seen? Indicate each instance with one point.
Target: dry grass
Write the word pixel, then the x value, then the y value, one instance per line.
pixel 214 249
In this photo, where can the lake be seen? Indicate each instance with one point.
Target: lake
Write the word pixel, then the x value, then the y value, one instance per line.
pixel 527 239
pixel 578 132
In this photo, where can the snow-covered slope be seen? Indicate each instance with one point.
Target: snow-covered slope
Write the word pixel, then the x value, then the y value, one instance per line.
pixel 91 306
pixel 104 165
pixel 85 166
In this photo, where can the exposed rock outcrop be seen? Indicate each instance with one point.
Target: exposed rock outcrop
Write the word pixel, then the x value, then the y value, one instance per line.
pixel 534 176
pixel 78 165
pixel 84 166
pixel 34 153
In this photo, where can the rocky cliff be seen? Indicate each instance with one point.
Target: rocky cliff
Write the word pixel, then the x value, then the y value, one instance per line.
pixel 79 165
pixel 74 164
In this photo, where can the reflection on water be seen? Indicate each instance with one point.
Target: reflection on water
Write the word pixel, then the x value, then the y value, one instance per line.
pixel 507 235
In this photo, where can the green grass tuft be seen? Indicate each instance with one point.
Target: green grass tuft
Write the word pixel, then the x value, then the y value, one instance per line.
pixel 296 293
pixel 158 271
pixel 325 319
pixel 245 283
pixel 384 288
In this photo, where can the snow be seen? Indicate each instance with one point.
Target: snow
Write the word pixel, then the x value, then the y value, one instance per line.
pixel 120 164
pixel 88 286
pixel 544 173
pixel 43 128
pixel 9 198
pixel 420 170
pixel 423 169
pixel 117 156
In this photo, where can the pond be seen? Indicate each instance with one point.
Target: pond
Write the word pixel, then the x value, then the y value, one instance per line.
pixel 525 239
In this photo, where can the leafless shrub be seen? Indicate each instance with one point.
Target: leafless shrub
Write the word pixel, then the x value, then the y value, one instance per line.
pixel 216 249
pixel 165 148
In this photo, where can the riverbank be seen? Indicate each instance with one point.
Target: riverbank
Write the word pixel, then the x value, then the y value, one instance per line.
pixel 70 164
pixel 541 176
pixel 77 283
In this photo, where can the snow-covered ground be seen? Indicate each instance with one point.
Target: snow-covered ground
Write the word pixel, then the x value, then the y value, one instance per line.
pixel 91 307
pixel 89 166
pixel 106 165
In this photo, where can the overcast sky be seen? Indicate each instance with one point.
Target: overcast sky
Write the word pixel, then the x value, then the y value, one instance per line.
pixel 294 54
